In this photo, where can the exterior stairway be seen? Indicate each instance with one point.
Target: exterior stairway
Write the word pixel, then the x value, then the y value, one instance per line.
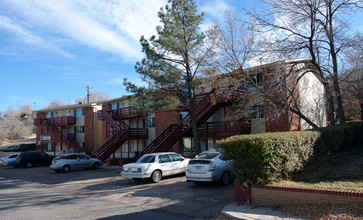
pixel 122 133
pixel 206 106
pixel 57 135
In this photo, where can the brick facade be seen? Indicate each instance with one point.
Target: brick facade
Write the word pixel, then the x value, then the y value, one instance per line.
pixel 276 195
pixel 89 128
pixel 38 131
pixel 278 119
pixel 271 195
pixel 163 120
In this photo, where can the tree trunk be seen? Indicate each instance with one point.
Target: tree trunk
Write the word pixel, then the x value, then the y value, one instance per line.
pixel 193 116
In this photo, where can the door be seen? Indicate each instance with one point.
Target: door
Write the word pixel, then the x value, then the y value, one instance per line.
pixel 83 161
pixel 165 164
pixel 179 166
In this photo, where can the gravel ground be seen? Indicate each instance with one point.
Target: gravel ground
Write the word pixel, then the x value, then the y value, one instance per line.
pixel 326 211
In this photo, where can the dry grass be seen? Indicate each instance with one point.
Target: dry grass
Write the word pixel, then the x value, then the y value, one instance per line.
pixel 343 171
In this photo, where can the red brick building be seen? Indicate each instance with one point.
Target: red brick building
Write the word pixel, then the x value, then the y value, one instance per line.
pixel 112 129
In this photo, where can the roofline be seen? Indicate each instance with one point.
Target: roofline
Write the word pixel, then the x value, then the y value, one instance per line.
pixel 251 69
pixel 264 66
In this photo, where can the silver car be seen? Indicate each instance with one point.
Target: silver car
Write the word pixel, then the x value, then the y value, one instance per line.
pixel 209 166
pixel 74 161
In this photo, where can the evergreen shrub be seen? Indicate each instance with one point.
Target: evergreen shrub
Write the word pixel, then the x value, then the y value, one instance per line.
pixel 270 156
pixel 336 138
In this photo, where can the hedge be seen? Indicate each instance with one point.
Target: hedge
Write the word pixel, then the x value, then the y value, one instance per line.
pixel 269 156
pixel 336 138
pixel 272 156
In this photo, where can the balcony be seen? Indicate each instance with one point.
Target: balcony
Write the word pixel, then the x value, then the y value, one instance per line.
pixel 57 121
pixel 62 121
pixel 139 133
pixel 123 113
pixel 224 129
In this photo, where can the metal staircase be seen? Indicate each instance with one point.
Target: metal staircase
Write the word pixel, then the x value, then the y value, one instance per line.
pixel 57 135
pixel 206 106
pixel 121 133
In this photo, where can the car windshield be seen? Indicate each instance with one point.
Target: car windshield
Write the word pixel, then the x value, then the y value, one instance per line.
pixel 146 159
pixel 56 158
pixel 207 155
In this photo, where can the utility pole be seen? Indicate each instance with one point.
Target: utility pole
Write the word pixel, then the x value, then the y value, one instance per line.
pixel 88 88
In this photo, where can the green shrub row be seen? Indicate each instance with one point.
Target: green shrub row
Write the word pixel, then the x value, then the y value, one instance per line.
pixel 338 137
pixel 269 156
pixel 272 156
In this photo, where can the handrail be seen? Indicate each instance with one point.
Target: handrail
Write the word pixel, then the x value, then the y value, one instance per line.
pixel 205 104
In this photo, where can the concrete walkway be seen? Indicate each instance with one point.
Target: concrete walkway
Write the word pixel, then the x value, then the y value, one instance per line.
pixel 248 212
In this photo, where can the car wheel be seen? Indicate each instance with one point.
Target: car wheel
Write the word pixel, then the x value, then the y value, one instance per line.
pixel 28 165
pixel 156 176
pixel 96 165
pixel 57 171
pixel 66 169
pixel 225 178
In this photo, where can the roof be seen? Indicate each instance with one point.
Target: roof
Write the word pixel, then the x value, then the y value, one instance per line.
pixel 251 69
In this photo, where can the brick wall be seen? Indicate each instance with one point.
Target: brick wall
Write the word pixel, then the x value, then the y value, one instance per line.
pixel 89 128
pixel 38 131
pixel 163 120
pixel 277 118
pixel 275 195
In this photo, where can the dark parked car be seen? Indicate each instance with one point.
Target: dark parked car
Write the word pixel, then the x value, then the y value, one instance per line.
pixel 20 148
pixel 11 148
pixel 29 159
pixel 26 147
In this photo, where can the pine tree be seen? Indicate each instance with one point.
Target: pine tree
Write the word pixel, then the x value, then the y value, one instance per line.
pixel 174 62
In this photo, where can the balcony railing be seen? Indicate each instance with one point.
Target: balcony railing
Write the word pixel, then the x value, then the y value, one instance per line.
pixel 57 121
pixel 225 128
pixel 123 113
pixel 139 133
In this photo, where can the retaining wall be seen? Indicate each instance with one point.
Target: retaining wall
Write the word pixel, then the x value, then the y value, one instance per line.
pixel 271 195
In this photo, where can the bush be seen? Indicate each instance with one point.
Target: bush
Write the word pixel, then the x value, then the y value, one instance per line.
pixel 336 138
pixel 270 156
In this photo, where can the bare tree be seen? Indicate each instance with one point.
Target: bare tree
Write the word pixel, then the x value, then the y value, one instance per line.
pixel 314 28
pixel 95 96
pixel 237 48
pixel 55 103
pixel 17 123
pixel 352 80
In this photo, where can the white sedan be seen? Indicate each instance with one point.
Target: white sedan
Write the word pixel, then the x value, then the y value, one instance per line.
pixel 154 166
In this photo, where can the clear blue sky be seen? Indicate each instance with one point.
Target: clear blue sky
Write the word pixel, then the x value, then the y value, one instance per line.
pixel 51 49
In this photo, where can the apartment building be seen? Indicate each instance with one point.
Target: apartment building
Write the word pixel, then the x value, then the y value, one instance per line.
pixel 112 130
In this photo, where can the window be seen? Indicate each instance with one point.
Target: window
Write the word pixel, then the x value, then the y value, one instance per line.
pixel 49 115
pixel 79 112
pixel 148 122
pixel 259 79
pixel 83 157
pixel 257 111
pixel 255 79
pixel 176 157
pixel 164 159
pixel 114 106
pixel 146 159
pixel 78 129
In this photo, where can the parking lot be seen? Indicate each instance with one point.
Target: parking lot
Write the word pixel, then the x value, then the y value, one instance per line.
pixel 39 193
